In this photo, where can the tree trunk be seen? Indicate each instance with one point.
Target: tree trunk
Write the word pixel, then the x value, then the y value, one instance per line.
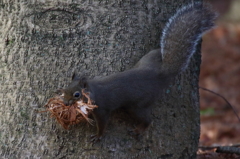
pixel 43 42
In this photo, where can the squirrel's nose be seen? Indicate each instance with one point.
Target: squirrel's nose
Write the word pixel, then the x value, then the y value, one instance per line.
pixel 66 103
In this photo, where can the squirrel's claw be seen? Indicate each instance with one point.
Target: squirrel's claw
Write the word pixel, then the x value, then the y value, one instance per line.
pixel 134 134
pixel 95 138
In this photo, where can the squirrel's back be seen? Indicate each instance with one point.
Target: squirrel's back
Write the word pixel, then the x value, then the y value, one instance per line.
pixel 181 35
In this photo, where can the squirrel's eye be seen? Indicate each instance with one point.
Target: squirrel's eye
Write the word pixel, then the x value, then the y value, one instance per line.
pixel 76 94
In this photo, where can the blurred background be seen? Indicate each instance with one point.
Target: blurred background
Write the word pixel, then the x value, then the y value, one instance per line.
pixel 220 72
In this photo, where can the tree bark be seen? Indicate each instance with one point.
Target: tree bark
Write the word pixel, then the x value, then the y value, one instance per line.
pixel 43 42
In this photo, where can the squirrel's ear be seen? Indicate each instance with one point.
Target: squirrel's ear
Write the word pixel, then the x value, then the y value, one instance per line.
pixel 74 76
pixel 83 82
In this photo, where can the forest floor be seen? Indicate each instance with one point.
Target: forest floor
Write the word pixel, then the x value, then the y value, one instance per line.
pixel 220 72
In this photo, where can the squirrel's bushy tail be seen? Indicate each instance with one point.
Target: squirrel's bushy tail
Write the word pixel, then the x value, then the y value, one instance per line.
pixel 182 33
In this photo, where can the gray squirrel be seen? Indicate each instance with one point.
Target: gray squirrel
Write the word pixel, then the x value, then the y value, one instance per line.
pixel 136 89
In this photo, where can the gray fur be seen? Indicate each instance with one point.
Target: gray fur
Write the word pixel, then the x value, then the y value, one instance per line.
pixel 182 33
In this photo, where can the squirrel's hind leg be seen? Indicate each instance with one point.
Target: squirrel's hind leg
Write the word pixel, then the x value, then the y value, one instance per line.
pixel 143 119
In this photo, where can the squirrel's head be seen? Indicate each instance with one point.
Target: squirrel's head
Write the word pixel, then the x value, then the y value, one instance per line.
pixel 73 92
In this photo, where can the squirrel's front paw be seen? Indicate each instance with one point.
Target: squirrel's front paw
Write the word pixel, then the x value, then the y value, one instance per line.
pixel 95 138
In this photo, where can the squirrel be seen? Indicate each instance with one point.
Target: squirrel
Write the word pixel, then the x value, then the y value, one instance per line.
pixel 135 90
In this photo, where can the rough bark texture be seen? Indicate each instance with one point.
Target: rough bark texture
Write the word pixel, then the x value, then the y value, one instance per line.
pixel 43 42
